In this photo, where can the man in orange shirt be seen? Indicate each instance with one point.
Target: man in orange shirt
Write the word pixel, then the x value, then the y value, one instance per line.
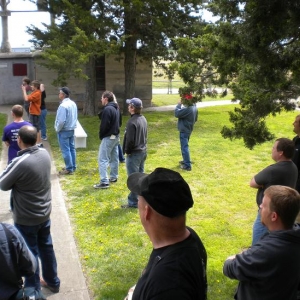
pixel 35 99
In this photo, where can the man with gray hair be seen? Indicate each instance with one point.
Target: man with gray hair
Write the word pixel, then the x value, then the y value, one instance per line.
pixel 65 124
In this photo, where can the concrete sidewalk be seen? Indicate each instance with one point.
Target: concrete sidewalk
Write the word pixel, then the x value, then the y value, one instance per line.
pixel 73 284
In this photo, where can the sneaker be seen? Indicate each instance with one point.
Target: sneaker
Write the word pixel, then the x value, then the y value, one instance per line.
pixel 44 138
pixel 53 289
pixel 127 206
pixel 113 180
pixel 40 145
pixel 122 161
pixel 65 172
pixel 183 167
pixel 101 185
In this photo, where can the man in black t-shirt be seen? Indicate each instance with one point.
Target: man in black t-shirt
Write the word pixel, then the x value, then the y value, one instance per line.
pixel 296 157
pixel 283 172
pixel 177 265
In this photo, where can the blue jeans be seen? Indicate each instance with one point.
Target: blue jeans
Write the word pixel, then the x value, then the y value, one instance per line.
pixel 43 123
pixel 39 241
pixel 67 147
pixel 185 152
pixel 108 156
pixel 258 229
pixel 121 156
pixel 135 162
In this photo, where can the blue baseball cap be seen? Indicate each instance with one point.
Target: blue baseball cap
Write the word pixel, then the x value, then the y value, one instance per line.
pixel 136 102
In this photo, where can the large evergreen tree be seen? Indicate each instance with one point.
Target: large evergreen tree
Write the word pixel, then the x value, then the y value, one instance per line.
pixel 132 28
pixel 258 47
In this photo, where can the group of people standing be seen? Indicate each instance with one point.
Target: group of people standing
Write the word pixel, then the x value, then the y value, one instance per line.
pixel 34 95
pixel 269 269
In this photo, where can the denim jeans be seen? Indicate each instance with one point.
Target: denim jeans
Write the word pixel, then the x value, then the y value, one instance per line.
pixel 135 162
pixel 43 123
pixel 67 147
pixel 108 156
pixel 258 229
pixel 185 152
pixel 39 241
pixel 121 155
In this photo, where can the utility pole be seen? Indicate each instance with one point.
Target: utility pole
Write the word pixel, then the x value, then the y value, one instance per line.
pixel 4 13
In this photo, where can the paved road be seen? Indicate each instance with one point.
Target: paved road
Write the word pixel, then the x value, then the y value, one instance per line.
pixel 199 105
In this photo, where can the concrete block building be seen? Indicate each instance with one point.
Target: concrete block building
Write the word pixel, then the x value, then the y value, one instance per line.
pixel 109 76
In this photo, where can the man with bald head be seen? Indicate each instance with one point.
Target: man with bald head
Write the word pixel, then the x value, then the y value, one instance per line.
pixel 28 178
pixel 177 265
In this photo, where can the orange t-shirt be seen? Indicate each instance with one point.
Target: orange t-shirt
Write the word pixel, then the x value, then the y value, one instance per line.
pixel 35 99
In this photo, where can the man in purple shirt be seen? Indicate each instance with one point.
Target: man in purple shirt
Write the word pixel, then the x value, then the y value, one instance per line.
pixel 10 132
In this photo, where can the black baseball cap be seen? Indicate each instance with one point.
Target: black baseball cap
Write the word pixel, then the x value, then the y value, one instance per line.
pixel 164 190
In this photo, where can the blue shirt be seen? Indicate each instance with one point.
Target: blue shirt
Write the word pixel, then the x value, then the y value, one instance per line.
pixel 66 116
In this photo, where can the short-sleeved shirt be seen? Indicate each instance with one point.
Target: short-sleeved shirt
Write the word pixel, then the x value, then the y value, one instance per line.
pixel 282 173
pixel 175 272
pixel 10 134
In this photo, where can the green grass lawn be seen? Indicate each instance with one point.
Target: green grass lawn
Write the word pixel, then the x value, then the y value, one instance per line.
pixel 112 243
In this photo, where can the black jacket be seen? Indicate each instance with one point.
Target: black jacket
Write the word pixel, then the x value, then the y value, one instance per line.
pixel 110 120
pixel 269 270
pixel 135 137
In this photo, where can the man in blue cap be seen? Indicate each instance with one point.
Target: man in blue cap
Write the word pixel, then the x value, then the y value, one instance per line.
pixel 135 144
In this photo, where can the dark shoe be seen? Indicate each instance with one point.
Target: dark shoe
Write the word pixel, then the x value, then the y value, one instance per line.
pixel 101 186
pixel 182 162
pixel 122 161
pixel 53 289
pixel 127 206
pixel 183 167
pixel 113 180
pixel 40 145
pixel 65 172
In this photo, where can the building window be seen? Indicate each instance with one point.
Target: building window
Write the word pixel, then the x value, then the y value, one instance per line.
pixel 19 69
pixel 100 73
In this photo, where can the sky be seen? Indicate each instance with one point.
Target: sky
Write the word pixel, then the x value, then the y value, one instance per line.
pixel 18 21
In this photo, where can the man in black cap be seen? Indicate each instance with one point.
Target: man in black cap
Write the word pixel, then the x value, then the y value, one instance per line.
pixel 135 144
pixel 177 265
pixel 65 124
